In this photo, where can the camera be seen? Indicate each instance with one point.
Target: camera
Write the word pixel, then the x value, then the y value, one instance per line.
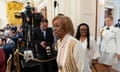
pixel 27 12
pixel 48 49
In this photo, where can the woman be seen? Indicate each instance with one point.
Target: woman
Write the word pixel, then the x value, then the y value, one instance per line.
pixel 89 45
pixel 110 41
pixel 70 56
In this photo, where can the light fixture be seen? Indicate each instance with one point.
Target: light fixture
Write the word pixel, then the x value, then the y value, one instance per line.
pixel 102 2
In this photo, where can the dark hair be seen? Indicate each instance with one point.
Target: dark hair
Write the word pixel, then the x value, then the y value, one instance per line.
pixel 3 39
pixel 60 14
pixel 44 20
pixel 13 29
pixel 78 35
pixel 33 8
pixel 118 19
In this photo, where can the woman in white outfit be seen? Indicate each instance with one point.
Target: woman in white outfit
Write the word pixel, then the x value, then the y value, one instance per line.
pixel 70 56
pixel 89 45
pixel 110 44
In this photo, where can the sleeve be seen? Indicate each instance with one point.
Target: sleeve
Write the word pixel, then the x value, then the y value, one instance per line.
pixel 118 40
pixel 99 39
pixel 35 37
pixel 95 49
pixel 51 38
pixel 79 54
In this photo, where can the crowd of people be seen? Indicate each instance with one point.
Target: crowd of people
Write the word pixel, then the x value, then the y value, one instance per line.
pixel 76 52
pixel 8 43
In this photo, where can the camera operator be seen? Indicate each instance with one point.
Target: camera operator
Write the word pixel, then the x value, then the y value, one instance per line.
pixel 36 16
pixel 28 13
pixel 27 24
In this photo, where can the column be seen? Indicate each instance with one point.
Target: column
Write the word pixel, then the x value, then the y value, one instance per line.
pixel 50 11
pixel 101 8
pixel 3 14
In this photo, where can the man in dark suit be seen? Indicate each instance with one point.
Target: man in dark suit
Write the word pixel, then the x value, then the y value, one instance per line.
pixel 43 38
pixel 118 24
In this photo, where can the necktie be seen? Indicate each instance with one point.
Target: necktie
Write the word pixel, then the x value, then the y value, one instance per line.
pixel 44 34
pixel 107 28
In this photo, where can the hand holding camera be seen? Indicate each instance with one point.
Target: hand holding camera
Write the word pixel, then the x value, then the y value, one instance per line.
pixel 47 47
pixel 43 44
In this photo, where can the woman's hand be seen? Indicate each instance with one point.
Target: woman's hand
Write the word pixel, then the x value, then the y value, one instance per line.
pixel 95 61
pixel 118 55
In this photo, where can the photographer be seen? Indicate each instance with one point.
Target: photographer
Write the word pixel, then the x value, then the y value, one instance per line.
pixel 43 38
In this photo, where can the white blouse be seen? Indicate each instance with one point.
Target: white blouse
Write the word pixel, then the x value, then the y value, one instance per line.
pixel 93 53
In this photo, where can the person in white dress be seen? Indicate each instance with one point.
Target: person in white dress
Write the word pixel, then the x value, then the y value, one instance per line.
pixel 110 44
pixel 70 56
pixel 89 45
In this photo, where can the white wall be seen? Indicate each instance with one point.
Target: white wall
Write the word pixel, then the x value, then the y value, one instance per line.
pixel 88 13
pixel 3 14
pixel 101 7
pixel 85 11
pixel 115 5
pixel 119 9
pixel 79 10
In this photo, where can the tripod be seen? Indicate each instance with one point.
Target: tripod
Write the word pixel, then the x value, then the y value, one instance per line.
pixel 28 36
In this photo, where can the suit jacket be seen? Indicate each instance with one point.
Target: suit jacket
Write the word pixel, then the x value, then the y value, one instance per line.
pixel 117 25
pixel 36 19
pixel 38 37
pixel 110 40
pixel 8 49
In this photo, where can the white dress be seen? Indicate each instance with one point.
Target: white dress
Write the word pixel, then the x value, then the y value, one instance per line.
pixel 78 53
pixel 91 54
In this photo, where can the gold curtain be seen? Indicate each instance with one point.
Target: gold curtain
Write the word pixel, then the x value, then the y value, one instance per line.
pixel 12 8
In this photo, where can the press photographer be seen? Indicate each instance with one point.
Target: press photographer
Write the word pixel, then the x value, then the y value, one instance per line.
pixel 43 38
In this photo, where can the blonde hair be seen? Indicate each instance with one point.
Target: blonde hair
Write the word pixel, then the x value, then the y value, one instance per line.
pixel 110 17
pixel 67 24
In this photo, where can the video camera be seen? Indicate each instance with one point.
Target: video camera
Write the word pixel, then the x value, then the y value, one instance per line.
pixel 27 12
